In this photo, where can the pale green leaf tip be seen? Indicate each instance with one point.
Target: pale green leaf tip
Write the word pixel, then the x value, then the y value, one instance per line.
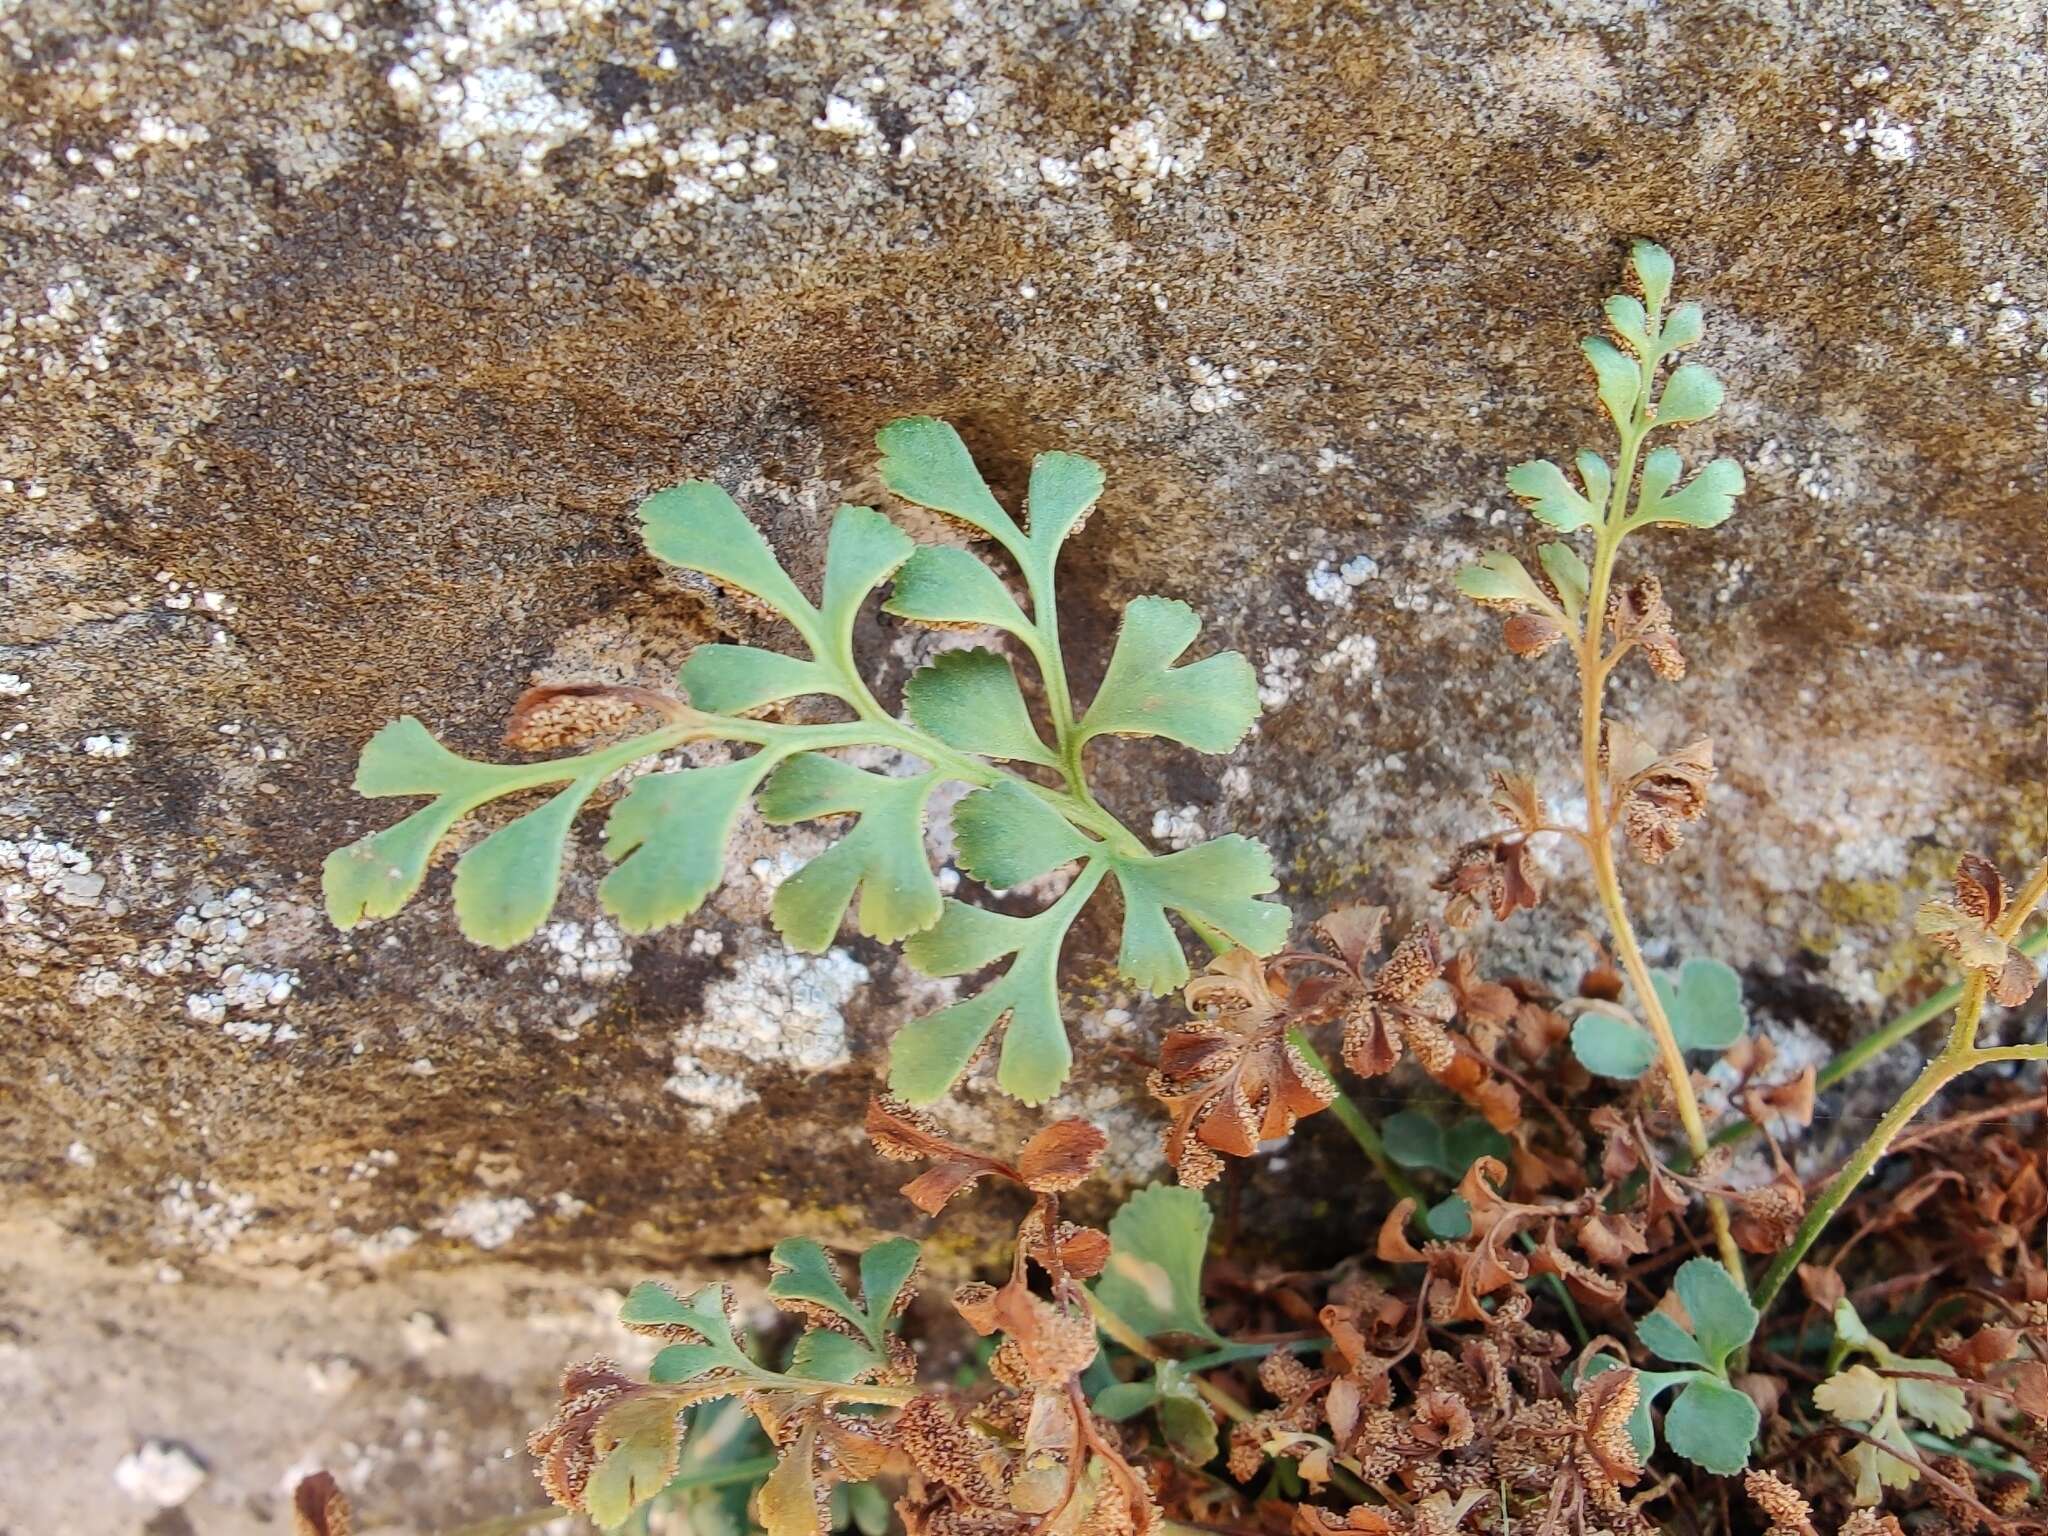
pixel 1653 268
pixel 344 909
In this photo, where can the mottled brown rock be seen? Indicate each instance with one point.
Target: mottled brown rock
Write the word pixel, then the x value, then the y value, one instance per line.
pixel 313 417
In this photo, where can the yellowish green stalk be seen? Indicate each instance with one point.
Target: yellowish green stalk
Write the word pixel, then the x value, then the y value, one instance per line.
pixel 1961 1054
pixel 1594 666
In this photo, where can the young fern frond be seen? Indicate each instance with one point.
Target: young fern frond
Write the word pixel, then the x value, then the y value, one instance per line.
pixel 1368 1398
pixel 615 1440
pixel 1649 796
pixel 965 719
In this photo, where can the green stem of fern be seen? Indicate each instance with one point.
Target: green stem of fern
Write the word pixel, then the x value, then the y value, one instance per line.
pixel 1052 669
pixel 1352 1118
pixel 878 727
pixel 750 1470
pixel 1876 1043
pixel 1593 671
pixel 1960 1055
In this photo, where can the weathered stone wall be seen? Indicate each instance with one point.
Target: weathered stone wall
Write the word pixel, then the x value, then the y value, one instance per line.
pixel 337 344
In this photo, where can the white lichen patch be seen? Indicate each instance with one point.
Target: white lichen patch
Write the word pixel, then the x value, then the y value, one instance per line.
pixel 1280 677
pixel 422 1333
pixel 847 119
pixel 159 1473
pixel 1888 136
pixel 1354 658
pixel 475 72
pixel 959 108
pixel 376 1247
pixel 1809 473
pixel 594 953
pixel 489 1221
pixel 1219 386
pixel 1889 139
pixel 2017 325
pixel 1177 826
pixel 39 868
pixel 1138 160
pixel 209 938
pixel 1198 20
pixel 332 1375
pixel 1332 584
pixel 772 869
pixel 711 1094
pixel 71 338
pixel 203 1216
pixel 109 748
pixel 1216 388
pixel 703 165
pixel 776 1008
pixel 1058 172
pixel 317 27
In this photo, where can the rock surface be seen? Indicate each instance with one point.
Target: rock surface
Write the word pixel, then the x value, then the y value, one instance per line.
pixel 338 338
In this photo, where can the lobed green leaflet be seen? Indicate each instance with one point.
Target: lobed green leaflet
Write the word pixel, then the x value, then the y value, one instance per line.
pixel 965 718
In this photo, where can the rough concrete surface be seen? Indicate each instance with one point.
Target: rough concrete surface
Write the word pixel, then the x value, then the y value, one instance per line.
pixel 338 338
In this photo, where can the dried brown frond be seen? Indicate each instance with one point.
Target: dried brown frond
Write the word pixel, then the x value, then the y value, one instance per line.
pixel 1626 1149
pixel 319 1507
pixel 1498 873
pixel 1061 1156
pixel 1066 1249
pixel 1058 1158
pixel 561 714
pixel 1401 1005
pixel 1539 1029
pixel 1053 1343
pixel 1586 1282
pixel 1532 634
pixel 1484 1265
pixel 1516 798
pixel 1230 1076
pixel 1580 1458
pixel 945 1451
pixel 1612 1238
pixel 1638 615
pixel 1972 1357
pixel 976 1302
pixel 1655 795
pixel 1490 874
pixel 1792 1100
pixel 1965 929
pixel 1789 1514
pixel 2029 1383
pixel 1445 1418
pixel 571 1444
pixel 1360 1520
pixel 1765 1218
pixel 1602 978
pixel 1529 1452
pixel 1298 1388
pixel 903 1134
pixel 1602 1412
pixel 1352 933
pixel 1482 1005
